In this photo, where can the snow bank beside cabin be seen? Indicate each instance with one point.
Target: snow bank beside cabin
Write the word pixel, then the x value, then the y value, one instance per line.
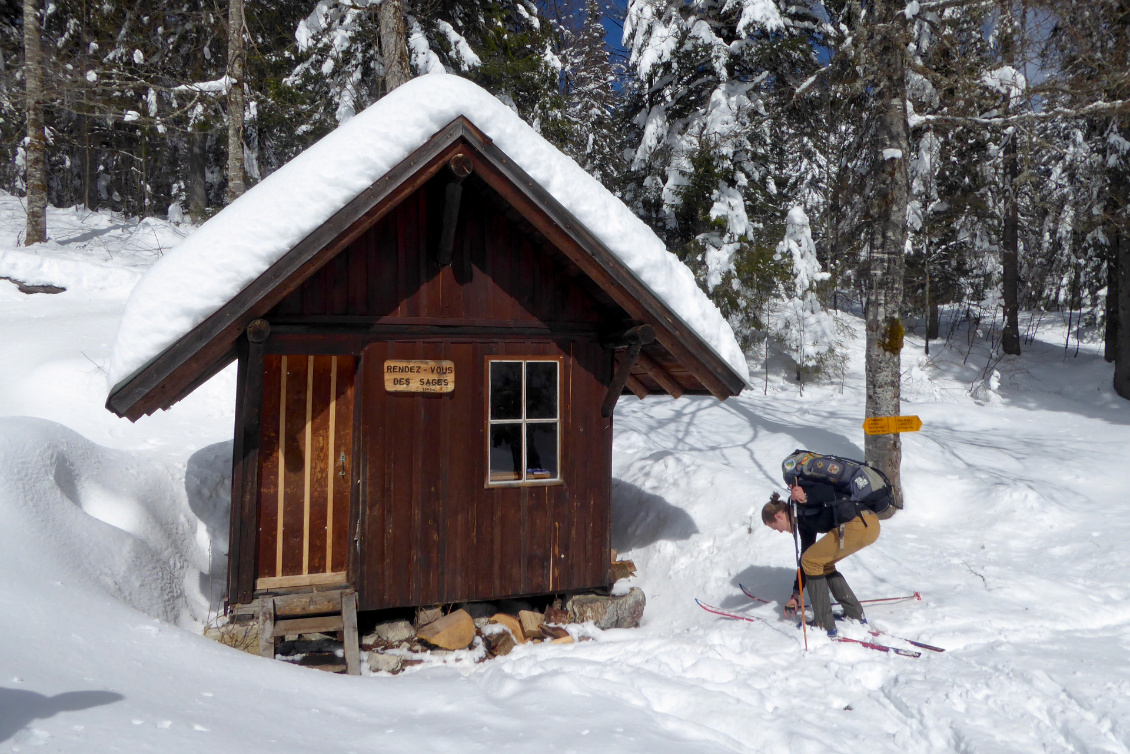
pixel 148 534
pixel 228 252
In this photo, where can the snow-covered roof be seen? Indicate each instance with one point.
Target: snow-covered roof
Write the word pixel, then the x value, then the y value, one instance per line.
pixel 206 270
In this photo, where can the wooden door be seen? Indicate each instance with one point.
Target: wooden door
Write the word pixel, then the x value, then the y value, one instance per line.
pixel 305 467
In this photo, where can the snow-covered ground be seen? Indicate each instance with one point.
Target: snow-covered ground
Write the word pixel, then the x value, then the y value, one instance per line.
pixel 112 539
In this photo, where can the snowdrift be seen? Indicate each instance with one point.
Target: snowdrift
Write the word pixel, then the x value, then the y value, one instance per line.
pixel 140 532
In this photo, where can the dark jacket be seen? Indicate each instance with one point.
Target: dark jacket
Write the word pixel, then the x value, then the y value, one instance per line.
pixel 815 516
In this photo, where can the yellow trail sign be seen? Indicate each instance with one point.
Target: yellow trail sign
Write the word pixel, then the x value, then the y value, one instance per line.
pixel 886 425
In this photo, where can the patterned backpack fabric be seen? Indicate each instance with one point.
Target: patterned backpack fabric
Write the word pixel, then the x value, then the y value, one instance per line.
pixel 864 486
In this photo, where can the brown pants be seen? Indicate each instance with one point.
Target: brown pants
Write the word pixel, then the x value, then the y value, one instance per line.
pixel 821 558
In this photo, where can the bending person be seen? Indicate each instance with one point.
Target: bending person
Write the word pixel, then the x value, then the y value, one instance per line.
pixel 818 559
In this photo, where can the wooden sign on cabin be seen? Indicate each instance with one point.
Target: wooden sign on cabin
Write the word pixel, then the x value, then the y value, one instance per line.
pixel 406 376
pixel 427 378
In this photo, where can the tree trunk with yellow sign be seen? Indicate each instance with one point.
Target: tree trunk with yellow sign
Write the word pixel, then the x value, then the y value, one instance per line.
pixel 889 196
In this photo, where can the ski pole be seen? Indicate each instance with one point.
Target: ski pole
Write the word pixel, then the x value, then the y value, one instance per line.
pixel 799 580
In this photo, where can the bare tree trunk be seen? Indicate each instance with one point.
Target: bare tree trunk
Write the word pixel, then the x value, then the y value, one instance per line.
pixel 1122 350
pixel 1010 257
pixel 35 153
pixel 197 175
pixel 1010 254
pixel 891 194
pixel 1110 344
pixel 394 44
pixel 235 100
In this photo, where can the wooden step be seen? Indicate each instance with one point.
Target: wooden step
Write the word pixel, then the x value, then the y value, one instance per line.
pixel 319 625
pixel 338 612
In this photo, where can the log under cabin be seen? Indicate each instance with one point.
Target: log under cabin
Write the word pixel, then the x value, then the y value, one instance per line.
pixel 426 386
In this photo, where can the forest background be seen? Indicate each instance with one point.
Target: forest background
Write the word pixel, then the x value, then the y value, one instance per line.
pixel 923 163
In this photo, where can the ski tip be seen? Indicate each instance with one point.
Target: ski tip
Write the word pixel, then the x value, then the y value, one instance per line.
pixel 918 596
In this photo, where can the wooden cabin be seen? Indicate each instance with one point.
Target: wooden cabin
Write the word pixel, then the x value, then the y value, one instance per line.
pixel 426 386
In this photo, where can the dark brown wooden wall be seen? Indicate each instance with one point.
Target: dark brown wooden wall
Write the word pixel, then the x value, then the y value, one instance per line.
pixel 499 271
pixel 431 530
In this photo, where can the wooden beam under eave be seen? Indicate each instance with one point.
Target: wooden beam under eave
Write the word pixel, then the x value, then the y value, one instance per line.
pixel 660 375
pixel 638 388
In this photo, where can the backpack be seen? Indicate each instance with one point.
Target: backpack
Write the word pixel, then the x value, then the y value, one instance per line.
pixel 865 487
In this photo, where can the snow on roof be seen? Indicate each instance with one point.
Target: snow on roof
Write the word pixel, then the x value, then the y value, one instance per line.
pixel 208 268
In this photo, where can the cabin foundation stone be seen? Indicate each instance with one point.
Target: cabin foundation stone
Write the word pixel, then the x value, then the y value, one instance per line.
pixel 614 611
pixel 383 663
pixel 392 632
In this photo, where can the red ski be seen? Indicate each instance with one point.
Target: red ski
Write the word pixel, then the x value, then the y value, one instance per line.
pixel 870 630
pixel 727 613
pixel 754 619
pixel 879 647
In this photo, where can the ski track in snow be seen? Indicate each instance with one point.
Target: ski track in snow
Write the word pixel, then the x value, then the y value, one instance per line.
pixel 113 538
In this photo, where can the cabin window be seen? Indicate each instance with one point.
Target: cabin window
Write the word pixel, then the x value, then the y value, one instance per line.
pixel 524 437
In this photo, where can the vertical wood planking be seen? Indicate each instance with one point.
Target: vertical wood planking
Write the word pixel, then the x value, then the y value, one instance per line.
pixel 600 511
pixel 413 460
pixel 314 293
pixel 269 466
pixel 384 260
pixel 331 463
pixel 460 445
pixel 410 263
pixel 487 502
pixel 338 302
pixel 283 374
pixel 430 510
pixel 576 443
pixel 318 461
pixel 509 520
pixel 342 487
pixel 239 556
pixel 604 481
pixel 374 432
pixel 293 434
pixel 307 465
pixel 430 290
pixel 526 280
pixel 476 301
pixel 400 536
pixel 545 286
pixel 359 279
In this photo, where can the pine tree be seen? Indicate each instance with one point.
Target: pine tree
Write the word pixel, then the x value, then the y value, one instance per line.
pixel 590 82
pixel 713 162
pixel 805 329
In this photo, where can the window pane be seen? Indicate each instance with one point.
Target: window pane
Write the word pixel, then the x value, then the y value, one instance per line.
pixel 505 452
pixel 541 451
pixel 541 390
pixel 506 390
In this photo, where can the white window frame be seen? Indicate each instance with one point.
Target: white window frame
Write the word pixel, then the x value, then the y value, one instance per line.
pixel 523 421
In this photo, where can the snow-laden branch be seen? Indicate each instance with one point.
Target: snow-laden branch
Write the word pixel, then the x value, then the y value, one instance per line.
pixel 1095 108
pixel 220 86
